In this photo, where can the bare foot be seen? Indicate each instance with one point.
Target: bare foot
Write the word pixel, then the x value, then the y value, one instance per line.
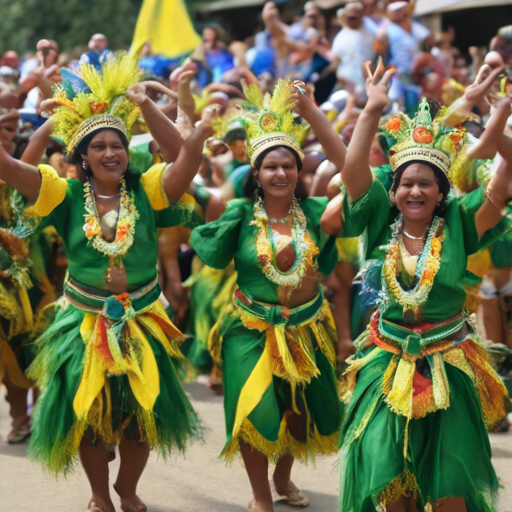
pixel 97 505
pixel 254 506
pixel 134 504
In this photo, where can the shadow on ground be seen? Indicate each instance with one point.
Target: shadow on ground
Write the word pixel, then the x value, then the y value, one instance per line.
pixel 13 450
pixel 201 393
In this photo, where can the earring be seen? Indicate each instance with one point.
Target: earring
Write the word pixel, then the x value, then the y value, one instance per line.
pixel 85 165
pixel 392 197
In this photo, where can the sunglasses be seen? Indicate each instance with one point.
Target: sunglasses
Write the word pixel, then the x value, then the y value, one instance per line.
pixel 353 18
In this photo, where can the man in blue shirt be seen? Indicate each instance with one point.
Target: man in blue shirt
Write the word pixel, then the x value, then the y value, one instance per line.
pixel 99 52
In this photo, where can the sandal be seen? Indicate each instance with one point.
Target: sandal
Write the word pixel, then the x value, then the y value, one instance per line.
pixel 295 498
pixel 21 433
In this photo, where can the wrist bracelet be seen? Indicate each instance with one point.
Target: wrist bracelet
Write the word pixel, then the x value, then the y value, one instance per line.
pixel 487 195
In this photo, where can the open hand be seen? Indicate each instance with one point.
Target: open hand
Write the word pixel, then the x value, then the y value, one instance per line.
pixel 377 85
pixel 484 81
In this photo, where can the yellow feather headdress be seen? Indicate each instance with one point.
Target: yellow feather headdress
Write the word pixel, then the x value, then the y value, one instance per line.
pixel 269 119
pixel 90 99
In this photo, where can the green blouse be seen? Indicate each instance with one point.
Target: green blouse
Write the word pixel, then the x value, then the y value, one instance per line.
pixel 233 237
pixel 86 264
pixel 372 215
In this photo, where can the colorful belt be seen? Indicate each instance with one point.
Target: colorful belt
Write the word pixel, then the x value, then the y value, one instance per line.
pixel 95 300
pixel 412 342
pixel 277 314
pixel 397 338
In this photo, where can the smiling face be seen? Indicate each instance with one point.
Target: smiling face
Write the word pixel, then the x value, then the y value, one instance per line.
pixel 107 157
pixel 418 193
pixel 278 173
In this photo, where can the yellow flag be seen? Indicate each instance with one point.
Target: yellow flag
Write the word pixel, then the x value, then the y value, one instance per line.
pixel 167 26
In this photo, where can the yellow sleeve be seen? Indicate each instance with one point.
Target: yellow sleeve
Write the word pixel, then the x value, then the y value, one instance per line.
pixel 152 183
pixel 52 192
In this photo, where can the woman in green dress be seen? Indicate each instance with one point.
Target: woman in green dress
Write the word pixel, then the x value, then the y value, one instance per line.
pixel 420 388
pixel 105 366
pixel 279 344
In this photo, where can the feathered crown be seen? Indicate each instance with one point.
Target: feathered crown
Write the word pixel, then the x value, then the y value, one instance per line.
pixel 90 99
pixel 423 139
pixel 269 120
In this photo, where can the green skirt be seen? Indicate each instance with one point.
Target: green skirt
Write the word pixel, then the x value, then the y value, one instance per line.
pixel 106 385
pixel 274 403
pixel 441 449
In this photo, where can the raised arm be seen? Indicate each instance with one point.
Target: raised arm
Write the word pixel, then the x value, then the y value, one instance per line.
pixel 185 98
pixel 356 173
pixel 180 174
pixel 491 139
pixel 161 128
pixel 37 145
pixel 23 177
pixel 499 190
pixel 333 146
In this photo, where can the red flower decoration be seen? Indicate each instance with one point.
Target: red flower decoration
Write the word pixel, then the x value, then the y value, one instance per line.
pixel 422 135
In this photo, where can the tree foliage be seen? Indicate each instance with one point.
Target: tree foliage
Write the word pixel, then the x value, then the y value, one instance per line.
pixel 70 22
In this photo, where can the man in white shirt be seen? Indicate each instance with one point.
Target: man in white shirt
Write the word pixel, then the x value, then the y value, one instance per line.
pixel 353 45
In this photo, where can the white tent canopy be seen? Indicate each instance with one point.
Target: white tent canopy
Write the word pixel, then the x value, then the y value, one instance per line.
pixel 434 6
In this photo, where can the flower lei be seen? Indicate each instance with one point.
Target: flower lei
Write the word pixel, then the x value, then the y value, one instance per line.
pixel 304 247
pixel 128 215
pixel 426 269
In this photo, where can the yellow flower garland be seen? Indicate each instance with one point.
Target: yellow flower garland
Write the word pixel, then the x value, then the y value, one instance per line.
pixel 426 270
pixel 125 230
pixel 305 248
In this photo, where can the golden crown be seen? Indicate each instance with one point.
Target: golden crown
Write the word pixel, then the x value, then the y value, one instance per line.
pixel 269 119
pixel 90 99
pixel 423 139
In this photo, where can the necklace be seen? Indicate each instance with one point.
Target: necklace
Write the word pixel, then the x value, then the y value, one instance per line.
pixel 412 237
pixel 99 195
pixel 105 197
pixel 429 262
pixel 126 220
pixel 304 247
pixel 283 221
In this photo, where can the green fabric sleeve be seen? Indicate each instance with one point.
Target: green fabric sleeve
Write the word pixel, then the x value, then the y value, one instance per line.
pixel 501 252
pixel 141 158
pixel 217 242
pixel 384 174
pixel 179 214
pixel 202 196
pixel 373 204
pixel 469 205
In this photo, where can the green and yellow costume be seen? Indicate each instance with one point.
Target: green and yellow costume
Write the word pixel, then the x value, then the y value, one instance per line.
pixel 278 363
pixel 420 389
pixel 16 317
pixel 105 365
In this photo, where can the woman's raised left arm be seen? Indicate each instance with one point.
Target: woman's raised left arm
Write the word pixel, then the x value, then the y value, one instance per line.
pixel 159 125
pixel 498 191
pixel 180 174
